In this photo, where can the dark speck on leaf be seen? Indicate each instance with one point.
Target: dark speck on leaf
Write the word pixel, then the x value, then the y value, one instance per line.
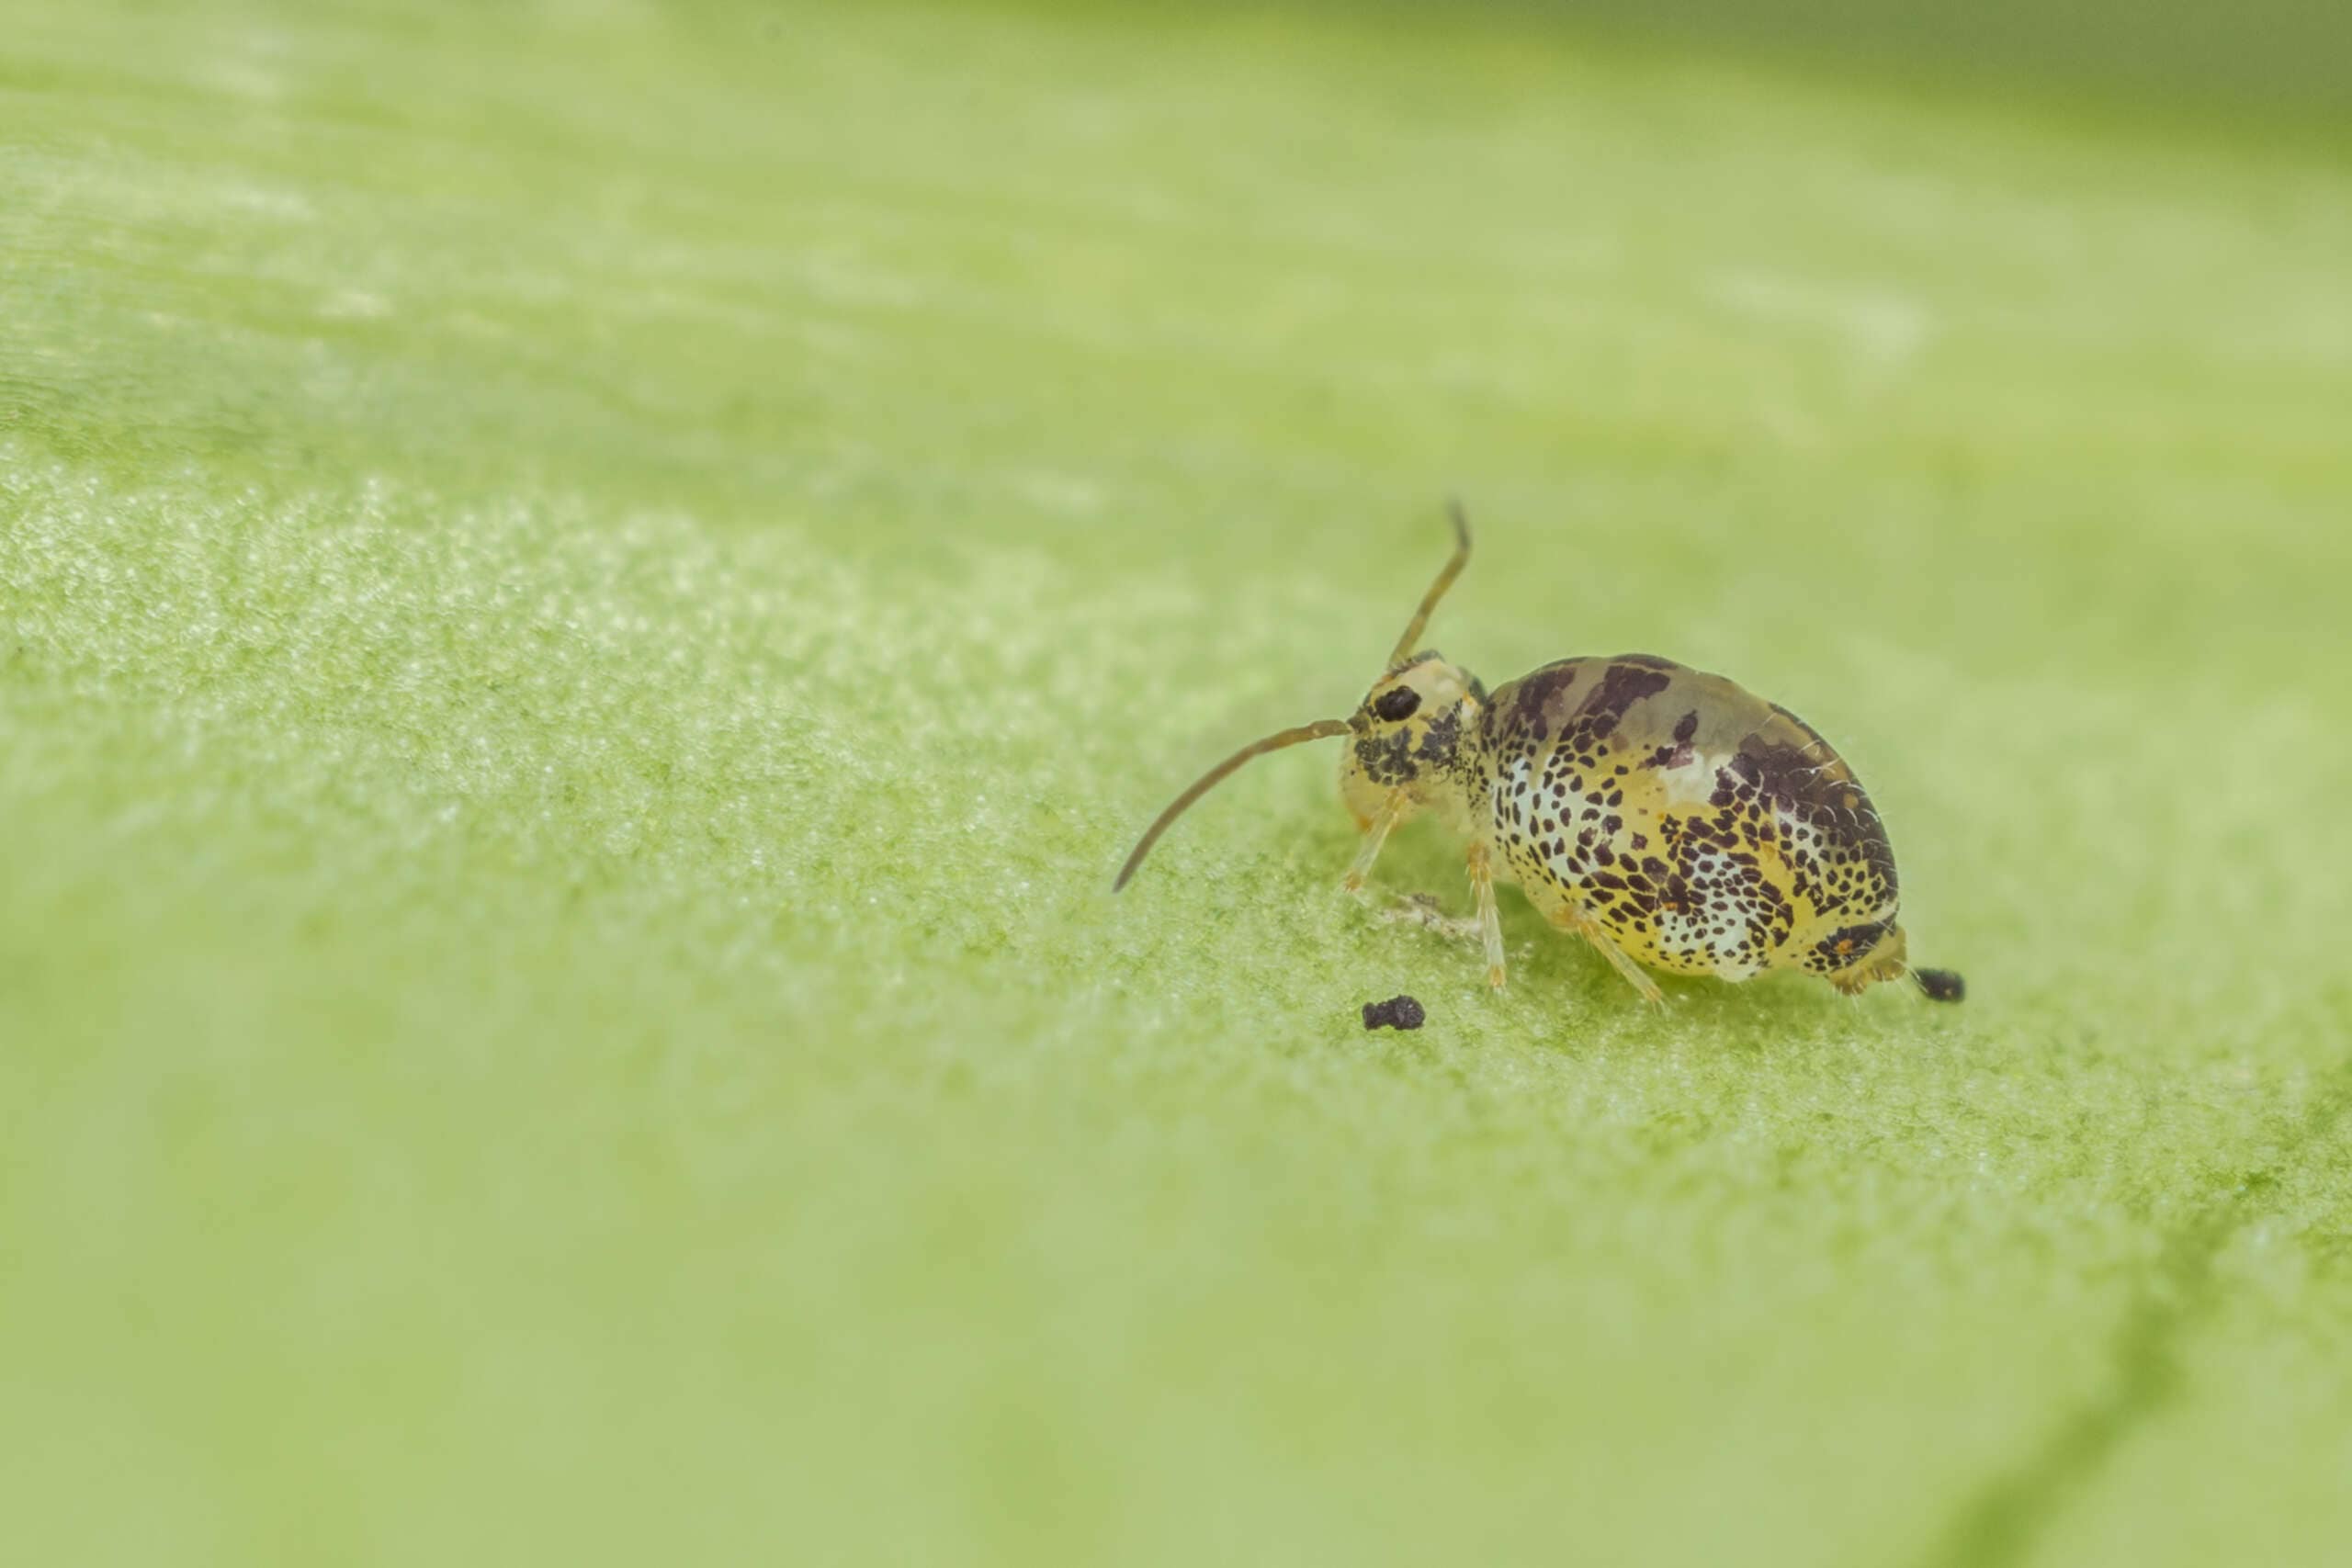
pixel 1396 1012
pixel 1941 985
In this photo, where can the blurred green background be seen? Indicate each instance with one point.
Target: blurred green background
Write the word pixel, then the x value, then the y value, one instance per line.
pixel 2265 64
pixel 591 593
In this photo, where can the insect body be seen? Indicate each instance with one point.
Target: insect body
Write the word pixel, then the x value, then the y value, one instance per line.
pixel 1671 818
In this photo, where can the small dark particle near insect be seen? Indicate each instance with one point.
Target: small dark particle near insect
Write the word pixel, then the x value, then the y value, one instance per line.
pixel 1396 1012
pixel 1941 985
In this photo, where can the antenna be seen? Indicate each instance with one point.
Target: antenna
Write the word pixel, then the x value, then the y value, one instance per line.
pixel 1319 731
pixel 1452 569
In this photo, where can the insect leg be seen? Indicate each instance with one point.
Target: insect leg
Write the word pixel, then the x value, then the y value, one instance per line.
pixel 1422 910
pixel 1584 926
pixel 1490 924
pixel 1391 811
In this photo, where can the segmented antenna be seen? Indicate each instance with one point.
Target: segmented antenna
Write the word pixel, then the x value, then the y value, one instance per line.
pixel 1452 569
pixel 1319 731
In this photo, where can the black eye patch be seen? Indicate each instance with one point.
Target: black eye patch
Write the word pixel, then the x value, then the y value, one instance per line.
pixel 1398 702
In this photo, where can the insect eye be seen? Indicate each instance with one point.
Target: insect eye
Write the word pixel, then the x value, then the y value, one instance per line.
pixel 1398 702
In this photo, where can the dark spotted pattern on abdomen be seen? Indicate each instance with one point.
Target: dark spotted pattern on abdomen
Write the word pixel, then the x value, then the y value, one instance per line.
pixel 1705 831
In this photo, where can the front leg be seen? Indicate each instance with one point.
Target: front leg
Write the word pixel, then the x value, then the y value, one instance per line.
pixel 1375 833
pixel 1421 908
pixel 1491 923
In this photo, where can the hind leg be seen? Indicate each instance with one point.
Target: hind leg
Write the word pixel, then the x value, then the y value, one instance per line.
pixel 1491 923
pixel 1573 917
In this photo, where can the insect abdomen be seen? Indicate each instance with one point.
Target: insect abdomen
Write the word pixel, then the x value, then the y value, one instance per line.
pixel 1703 830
